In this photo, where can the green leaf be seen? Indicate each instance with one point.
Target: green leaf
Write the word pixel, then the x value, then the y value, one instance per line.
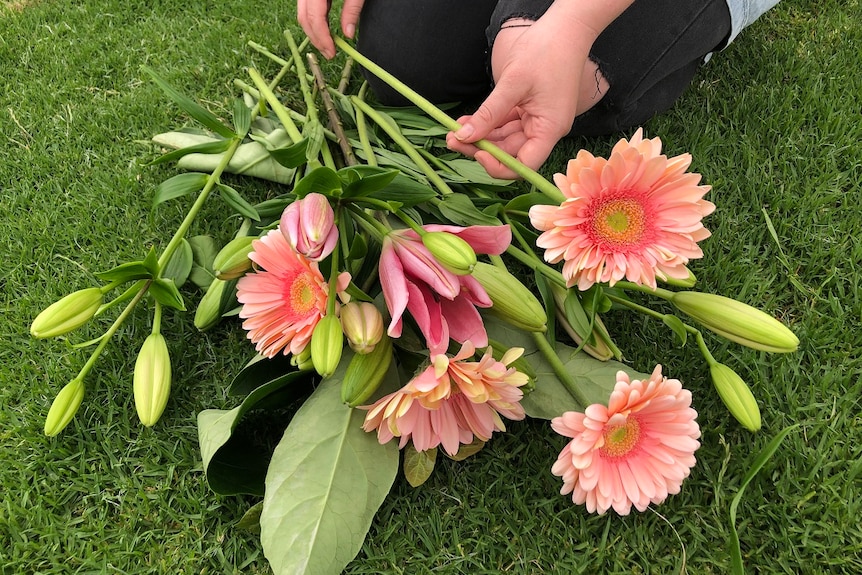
pixel 273 208
pixel 166 293
pixel 524 202
pixel 241 117
pixel 550 306
pixel 326 480
pixel 233 199
pixel 151 262
pixel 458 209
pixel 418 465
pixel 291 156
pixel 231 462
pixel 126 272
pixel 180 185
pixel 322 180
pixel 190 107
pixel 473 172
pixel 362 181
pixel 550 398
pixel 180 265
pixel 313 132
pixel 215 147
pixel 258 371
pixel 204 250
pixel 250 520
pixel 678 328
pixel 467 450
pixel 765 454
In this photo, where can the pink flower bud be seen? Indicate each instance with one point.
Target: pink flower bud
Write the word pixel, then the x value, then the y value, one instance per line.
pixel 363 325
pixel 309 226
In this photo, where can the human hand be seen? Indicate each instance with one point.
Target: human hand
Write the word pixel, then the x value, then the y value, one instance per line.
pixel 313 16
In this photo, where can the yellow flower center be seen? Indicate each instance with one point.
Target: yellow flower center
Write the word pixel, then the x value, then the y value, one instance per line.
pixel 619 440
pixel 619 222
pixel 302 294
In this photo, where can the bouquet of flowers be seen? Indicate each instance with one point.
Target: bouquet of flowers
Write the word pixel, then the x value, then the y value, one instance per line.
pixel 401 302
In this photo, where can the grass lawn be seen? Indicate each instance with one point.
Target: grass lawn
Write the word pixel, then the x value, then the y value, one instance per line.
pixel 775 126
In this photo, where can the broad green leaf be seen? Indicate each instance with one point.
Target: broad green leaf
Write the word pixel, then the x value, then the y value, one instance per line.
pixel 204 250
pixel 233 199
pixel 524 202
pixel 326 480
pixel 126 272
pixel 250 520
pixel 215 147
pixel 467 450
pixel 361 181
pixel 418 465
pixel 241 117
pixel 190 107
pixel 405 191
pixel 676 325
pixel 166 293
pixel 151 262
pixel 322 180
pixel 736 565
pixel 180 185
pixel 232 463
pixel 596 379
pixel 259 371
pixel 273 208
pixel 472 171
pixel 313 132
pixel 290 156
pixel 180 265
pixel 458 209
pixel 545 290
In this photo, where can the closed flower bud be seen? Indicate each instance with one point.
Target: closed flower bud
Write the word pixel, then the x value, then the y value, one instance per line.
pixel 736 321
pixel 302 360
pixel 233 261
pixel 64 407
pixel 681 283
pixel 152 380
pixel 67 314
pixel 208 312
pixel 511 299
pixel 327 342
pixel 309 226
pixel 451 251
pixel 362 324
pixel 736 395
pixel 365 373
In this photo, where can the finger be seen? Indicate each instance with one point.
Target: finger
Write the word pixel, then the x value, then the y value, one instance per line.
pixel 493 112
pixel 493 166
pixel 350 16
pixel 535 151
pixel 313 16
pixel 457 145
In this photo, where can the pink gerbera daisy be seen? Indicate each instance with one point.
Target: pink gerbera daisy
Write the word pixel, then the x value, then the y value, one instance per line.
pixel 285 299
pixel 635 451
pixel 451 402
pixel 635 216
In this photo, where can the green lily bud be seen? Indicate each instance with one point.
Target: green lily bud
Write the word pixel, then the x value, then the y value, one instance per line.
pixel 736 321
pixel 362 324
pixel 451 251
pixel 327 342
pixel 681 283
pixel 232 261
pixel 736 395
pixel 64 407
pixel 511 299
pixel 67 314
pixel 152 380
pixel 302 360
pixel 365 373
pixel 208 312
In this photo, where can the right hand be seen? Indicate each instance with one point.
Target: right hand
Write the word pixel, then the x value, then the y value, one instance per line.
pixel 313 16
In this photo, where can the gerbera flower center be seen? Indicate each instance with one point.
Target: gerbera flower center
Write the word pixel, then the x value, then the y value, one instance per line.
pixel 619 440
pixel 301 295
pixel 619 222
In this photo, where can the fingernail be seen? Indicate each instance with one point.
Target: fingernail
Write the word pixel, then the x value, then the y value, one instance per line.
pixel 465 132
pixel 349 30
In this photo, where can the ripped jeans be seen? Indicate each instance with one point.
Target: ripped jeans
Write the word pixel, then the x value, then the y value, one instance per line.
pixel 441 48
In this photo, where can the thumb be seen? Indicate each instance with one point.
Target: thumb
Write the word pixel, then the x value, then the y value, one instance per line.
pixel 493 113
pixel 350 16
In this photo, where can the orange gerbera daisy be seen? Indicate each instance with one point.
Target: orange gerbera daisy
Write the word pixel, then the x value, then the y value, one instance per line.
pixel 635 216
pixel 285 299
pixel 451 402
pixel 635 451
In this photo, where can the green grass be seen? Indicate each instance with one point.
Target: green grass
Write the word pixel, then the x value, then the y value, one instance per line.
pixel 774 123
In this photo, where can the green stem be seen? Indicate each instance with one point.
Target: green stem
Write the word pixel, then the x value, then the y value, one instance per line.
pixel 436 113
pixel 157 318
pixel 311 106
pixel 362 129
pixel 103 341
pixel 333 279
pixel 405 145
pixel 368 223
pixel 560 370
pixel 277 107
pixel 658 292
pixel 534 264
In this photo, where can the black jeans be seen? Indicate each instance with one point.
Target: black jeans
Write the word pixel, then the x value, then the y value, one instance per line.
pixel 441 48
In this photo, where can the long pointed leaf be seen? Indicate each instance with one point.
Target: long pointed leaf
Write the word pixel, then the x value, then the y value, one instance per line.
pixel 180 185
pixel 326 480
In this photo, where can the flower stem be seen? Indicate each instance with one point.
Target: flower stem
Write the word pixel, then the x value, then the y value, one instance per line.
pixel 405 145
pixel 533 263
pixel 437 114
pixel 368 223
pixel 658 292
pixel 560 370
pixel 277 107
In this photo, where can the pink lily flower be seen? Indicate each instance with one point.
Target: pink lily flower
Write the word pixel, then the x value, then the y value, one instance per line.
pixel 442 303
pixel 309 226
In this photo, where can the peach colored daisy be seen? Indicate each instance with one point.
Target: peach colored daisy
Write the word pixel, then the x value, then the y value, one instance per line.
pixel 284 299
pixel 635 216
pixel 636 451
pixel 451 402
